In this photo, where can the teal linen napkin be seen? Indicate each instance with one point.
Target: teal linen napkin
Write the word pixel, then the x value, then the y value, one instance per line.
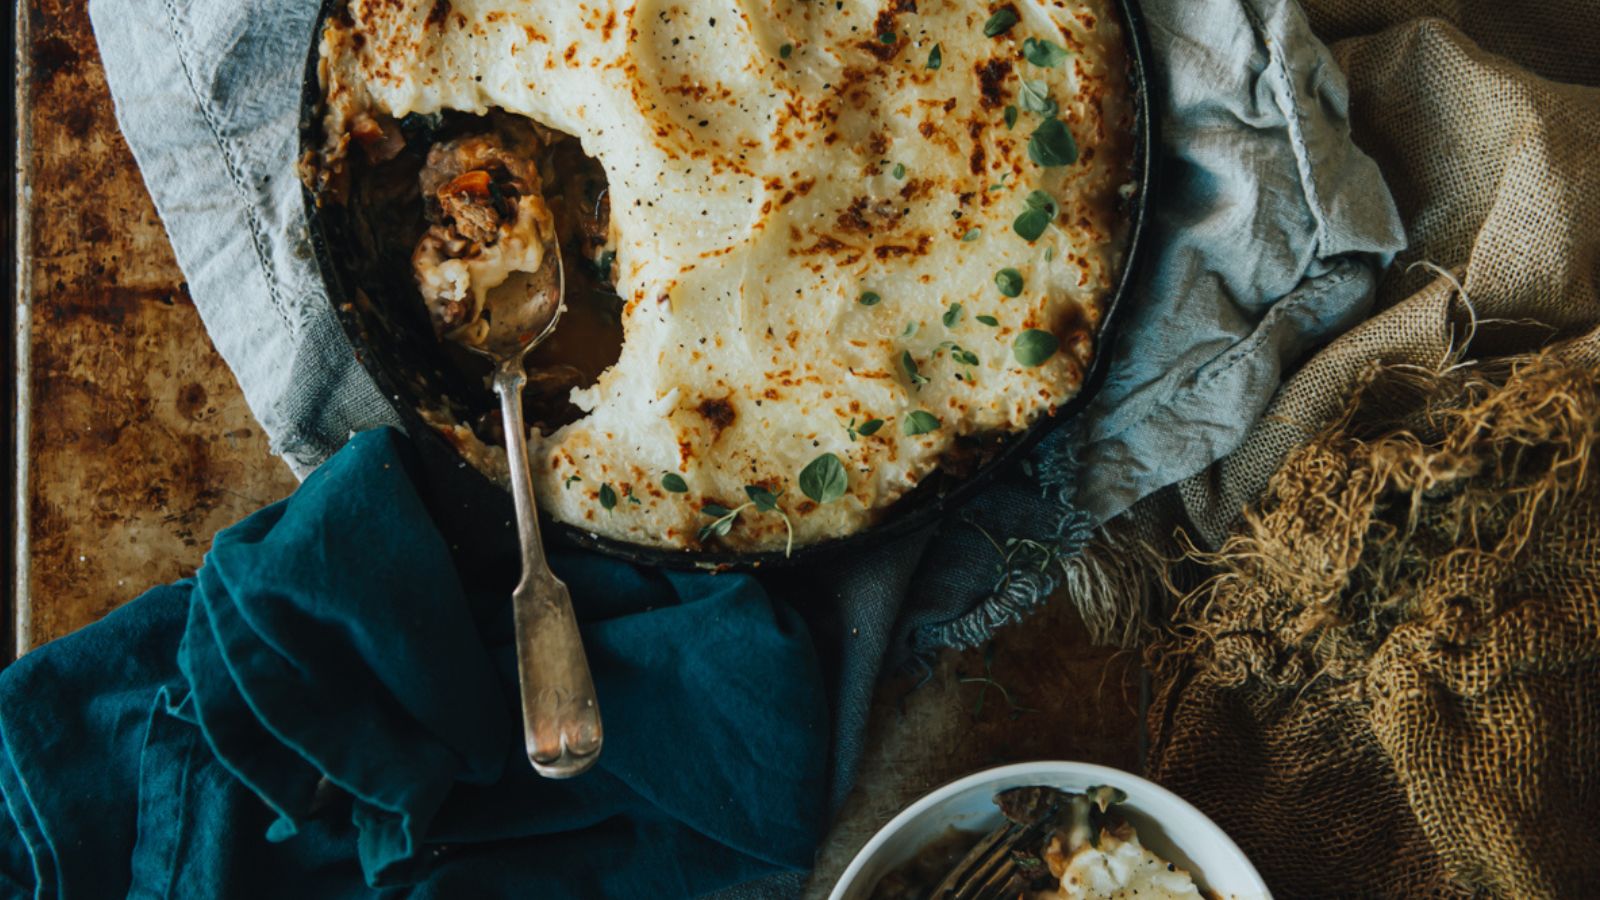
pixel 329 707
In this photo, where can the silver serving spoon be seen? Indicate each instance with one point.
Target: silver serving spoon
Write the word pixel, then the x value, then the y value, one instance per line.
pixel 560 718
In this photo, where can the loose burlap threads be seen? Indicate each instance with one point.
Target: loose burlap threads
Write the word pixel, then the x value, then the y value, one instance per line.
pixel 1388 679
pixel 1390 682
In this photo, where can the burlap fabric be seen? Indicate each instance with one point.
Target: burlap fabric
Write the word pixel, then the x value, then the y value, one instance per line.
pixel 1387 681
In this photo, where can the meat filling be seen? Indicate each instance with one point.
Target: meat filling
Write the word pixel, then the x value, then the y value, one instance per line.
pixel 488 220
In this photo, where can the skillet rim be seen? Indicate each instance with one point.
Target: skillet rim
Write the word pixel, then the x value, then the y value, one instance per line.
pixel 444 464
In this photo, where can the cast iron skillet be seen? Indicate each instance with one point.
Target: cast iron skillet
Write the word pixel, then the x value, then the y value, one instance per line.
pixel 391 337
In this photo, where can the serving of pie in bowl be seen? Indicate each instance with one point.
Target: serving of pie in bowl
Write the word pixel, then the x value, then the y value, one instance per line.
pixel 820 255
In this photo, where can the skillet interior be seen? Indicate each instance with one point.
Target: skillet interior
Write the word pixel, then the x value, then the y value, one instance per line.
pixel 388 328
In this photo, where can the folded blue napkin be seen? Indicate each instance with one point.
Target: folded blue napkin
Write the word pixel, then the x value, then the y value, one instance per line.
pixel 330 706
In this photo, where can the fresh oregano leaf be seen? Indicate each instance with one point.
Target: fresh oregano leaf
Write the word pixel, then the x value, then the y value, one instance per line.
pixel 719 528
pixel 824 479
pixel 1009 281
pixel 1052 144
pixel 608 497
pixel 765 500
pixel 1033 347
pixel 1104 795
pixel 1040 212
pixel 1043 53
pixel 919 422
pixel 1031 224
pixel 936 56
pixel 1035 98
pixel 1000 23
pixel 1041 200
pixel 952 315
pixel 910 365
pixel 722 523
pixel 674 482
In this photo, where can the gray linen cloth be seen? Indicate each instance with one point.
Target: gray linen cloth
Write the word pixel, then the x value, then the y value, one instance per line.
pixel 1268 229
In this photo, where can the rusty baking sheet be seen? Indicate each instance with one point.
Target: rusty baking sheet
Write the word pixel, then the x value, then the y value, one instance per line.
pixel 132 441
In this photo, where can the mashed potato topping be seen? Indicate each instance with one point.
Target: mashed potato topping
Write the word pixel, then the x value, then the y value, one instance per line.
pixel 1116 866
pixel 848 234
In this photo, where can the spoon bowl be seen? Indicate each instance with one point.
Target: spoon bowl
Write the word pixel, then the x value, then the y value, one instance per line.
pixel 523 311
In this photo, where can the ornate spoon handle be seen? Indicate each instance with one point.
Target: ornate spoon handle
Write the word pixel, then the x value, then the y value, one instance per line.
pixel 560 718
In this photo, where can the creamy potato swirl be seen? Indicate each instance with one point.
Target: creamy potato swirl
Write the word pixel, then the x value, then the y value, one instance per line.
pixel 823 227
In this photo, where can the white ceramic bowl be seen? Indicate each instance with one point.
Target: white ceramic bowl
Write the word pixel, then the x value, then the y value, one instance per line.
pixel 1174 830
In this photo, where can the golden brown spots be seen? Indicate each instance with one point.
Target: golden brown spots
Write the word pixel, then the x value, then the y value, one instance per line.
pixel 855 85
pixel 864 216
pixel 718 413
pixel 826 243
pixel 991 82
pixel 890 251
pixel 438 14
pixel 884 52
pixel 885 24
